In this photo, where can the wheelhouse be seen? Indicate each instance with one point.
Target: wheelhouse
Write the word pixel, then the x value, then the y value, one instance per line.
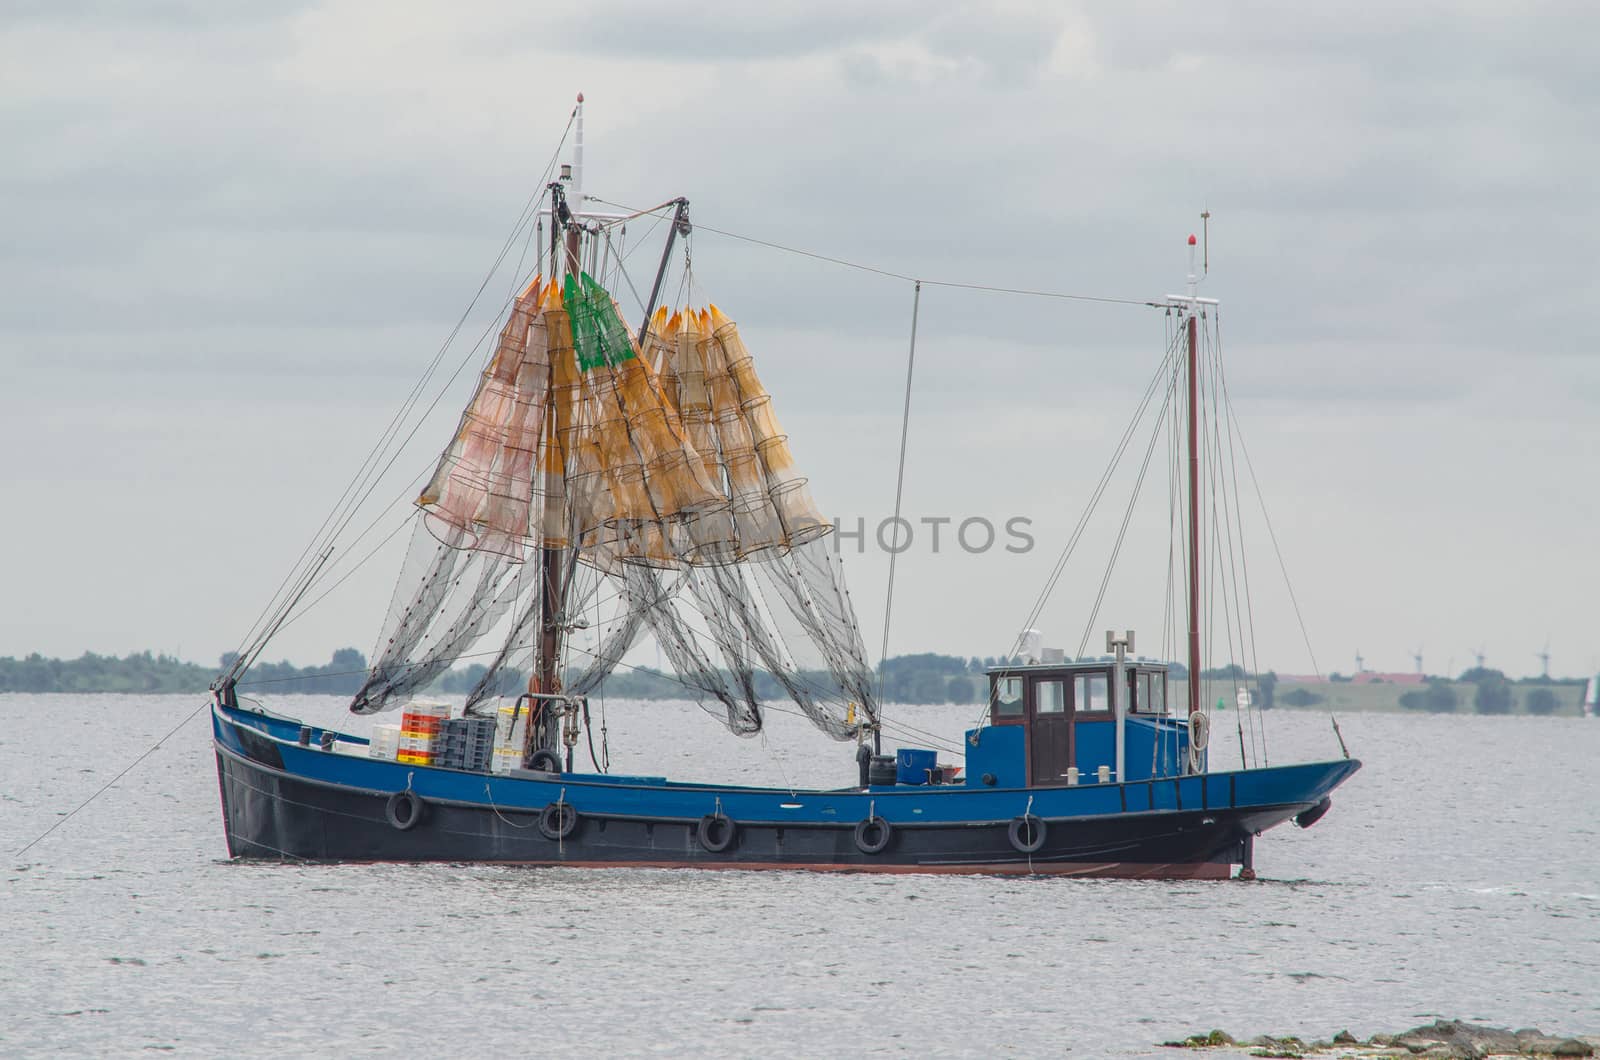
pixel 1068 717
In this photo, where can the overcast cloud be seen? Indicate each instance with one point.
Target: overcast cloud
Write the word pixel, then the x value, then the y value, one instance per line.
pixel 233 239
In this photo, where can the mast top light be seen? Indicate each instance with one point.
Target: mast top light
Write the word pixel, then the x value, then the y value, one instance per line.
pixel 1192 239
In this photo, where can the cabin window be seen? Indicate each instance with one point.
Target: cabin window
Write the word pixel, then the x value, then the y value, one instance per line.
pixel 1008 697
pixel 1089 693
pixel 1050 697
pixel 1141 696
pixel 1157 701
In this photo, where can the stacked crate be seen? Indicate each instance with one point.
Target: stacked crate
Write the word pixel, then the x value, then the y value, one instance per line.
pixel 421 721
pixel 466 743
pixel 385 742
pixel 509 738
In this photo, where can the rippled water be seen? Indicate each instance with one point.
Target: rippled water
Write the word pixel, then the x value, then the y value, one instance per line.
pixel 1458 874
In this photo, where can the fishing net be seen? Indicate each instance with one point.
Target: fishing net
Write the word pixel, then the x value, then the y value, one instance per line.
pixel 667 477
pixel 447 597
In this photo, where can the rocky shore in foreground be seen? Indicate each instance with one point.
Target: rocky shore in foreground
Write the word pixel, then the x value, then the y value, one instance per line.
pixel 1441 1040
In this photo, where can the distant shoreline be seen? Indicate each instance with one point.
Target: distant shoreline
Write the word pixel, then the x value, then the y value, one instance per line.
pixel 924 678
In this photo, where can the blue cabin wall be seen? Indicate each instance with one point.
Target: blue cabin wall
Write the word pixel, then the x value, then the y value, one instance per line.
pixel 1156 747
pixel 1162 742
pixel 997 751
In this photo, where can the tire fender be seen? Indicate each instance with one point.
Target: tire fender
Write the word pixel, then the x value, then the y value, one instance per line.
pixel 716 832
pixel 873 835
pixel 1027 833
pixel 545 760
pixel 405 810
pixel 558 820
pixel 1309 817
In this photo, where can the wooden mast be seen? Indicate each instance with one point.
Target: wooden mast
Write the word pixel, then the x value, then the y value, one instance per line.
pixel 1194 522
pixel 546 678
pixel 1194 491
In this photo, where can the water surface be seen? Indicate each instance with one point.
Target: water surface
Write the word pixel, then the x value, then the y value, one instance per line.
pixel 1458 874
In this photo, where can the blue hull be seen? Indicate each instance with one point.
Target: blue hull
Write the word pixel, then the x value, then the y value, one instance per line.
pixel 285 800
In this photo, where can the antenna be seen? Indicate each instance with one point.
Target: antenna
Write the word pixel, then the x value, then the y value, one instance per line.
pixel 577 157
pixel 1417 655
pixel 1544 657
pixel 1205 245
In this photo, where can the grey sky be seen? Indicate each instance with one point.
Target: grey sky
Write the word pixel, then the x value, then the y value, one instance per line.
pixel 233 239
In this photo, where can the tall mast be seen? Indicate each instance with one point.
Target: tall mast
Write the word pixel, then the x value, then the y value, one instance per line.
pixel 565 233
pixel 1189 305
pixel 1194 491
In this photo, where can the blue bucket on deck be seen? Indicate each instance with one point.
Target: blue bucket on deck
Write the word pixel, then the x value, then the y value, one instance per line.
pixel 911 765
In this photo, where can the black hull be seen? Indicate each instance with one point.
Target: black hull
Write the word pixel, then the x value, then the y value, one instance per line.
pixel 271 814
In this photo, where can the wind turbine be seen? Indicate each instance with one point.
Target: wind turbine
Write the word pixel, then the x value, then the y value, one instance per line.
pixel 1417 655
pixel 1361 664
pixel 1477 654
pixel 1544 657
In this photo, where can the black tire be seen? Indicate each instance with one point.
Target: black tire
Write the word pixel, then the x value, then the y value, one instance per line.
pixel 545 760
pixel 405 810
pixel 1307 818
pixel 717 832
pixel 873 835
pixel 558 820
pixel 1026 833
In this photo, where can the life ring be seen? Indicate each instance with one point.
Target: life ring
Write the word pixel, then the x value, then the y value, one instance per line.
pixel 405 809
pixel 1199 730
pixel 873 835
pixel 557 820
pixel 717 832
pixel 545 760
pixel 1307 818
pixel 1027 833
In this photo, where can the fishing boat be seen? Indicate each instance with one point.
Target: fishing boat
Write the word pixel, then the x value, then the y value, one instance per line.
pixel 638 483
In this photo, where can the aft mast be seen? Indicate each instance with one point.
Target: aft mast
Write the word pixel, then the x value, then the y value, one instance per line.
pixel 1190 304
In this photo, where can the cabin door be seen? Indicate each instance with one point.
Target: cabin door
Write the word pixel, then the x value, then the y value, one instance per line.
pixel 1050 752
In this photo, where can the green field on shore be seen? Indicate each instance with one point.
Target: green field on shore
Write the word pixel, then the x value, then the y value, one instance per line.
pixel 1346 695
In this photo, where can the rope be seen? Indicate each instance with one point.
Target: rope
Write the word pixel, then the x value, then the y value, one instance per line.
pixel 1282 566
pixel 488 794
pixel 899 492
pixel 901 727
pixel 343 508
pixel 890 273
pixel 108 784
pixel 1122 531
pixel 1060 565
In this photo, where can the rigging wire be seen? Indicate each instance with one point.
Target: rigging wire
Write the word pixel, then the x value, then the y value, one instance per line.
pixel 901 727
pixel 1244 556
pixel 129 768
pixel 363 473
pixel 370 475
pixel 899 493
pixel 1273 535
pixel 1229 501
pixel 1060 565
pixel 1094 499
pixel 1122 532
pixel 890 273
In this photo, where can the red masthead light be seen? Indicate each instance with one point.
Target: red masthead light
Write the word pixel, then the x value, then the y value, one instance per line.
pixel 580 100
pixel 1192 240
